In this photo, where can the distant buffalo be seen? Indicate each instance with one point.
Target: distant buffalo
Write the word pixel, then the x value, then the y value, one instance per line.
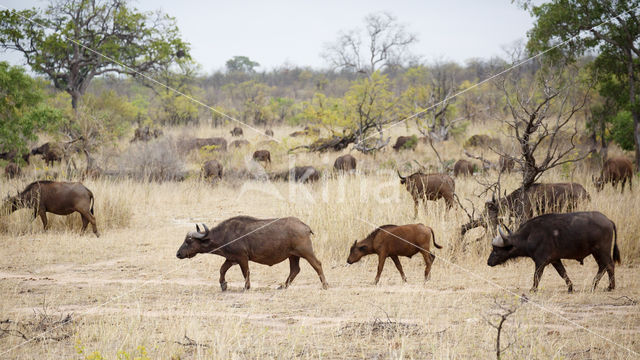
pixel 12 156
pixel 262 156
pixel 269 132
pixel 424 187
pixel 614 170
pixel 462 168
pixel 547 239
pixel 393 241
pixel 50 151
pixel 12 170
pixel 144 134
pixel 506 164
pixel 212 169
pixel 345 163
pixel 405 142
pixel 481 140
pixel 220 144
pixel 238 143
pixel 242 239
pixel 299 174
pixel 60 198
pixel 237 131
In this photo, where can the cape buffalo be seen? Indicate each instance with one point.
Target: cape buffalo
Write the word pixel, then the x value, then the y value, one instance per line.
pixel 269 132
pixel 393 241
pixel 212 169
pixel 462 168
pixel 424 187
pixel 12 156
pixel 613 170
pixel 237 131
pixel 238 143
pixel 547 239
pixel 12 170
pixel 345 163
pixel 50 151
pixel 405 142
pixel 506 164
pixel 242 239
pixel 300 174
pixel 262 155
pixel 60 198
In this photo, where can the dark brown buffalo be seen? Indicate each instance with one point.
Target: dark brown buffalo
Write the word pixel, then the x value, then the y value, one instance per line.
pixel 50 152
pixel 239 143
pixel 299 174
pixel 262 155
pixel 242 239
pixel 462 168
pixel 393 241
pixel 424 187
pixel 345 163
pixel 237 131
pixel 12 156
pixel 60 198
pixel 192 144
pixel 481 140
pixel 613 170
pixel 268 132
pixel 12 171
pixel 212 169
pixel 506 164
pixel 405 142
pixel 547 239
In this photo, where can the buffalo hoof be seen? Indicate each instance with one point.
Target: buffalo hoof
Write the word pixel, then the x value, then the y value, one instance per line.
pixel 282 286
pixel 570 289
pixel 610 288
pixel 325 286
pixel 533 290
pixel 223 286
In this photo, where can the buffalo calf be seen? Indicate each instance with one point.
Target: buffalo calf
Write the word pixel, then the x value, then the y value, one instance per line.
pixel 424 187
pixel 614 170
pixel 393 241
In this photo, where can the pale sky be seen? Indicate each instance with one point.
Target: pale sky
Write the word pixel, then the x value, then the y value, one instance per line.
pixel 276 32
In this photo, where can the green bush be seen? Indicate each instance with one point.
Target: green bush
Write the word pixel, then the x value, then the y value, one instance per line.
pixel 622 130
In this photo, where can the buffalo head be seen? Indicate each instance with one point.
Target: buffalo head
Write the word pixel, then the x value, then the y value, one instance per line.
pixel 195 242
pixel 598 183
pixel 502 247
pixel 357 252
pixel 403 180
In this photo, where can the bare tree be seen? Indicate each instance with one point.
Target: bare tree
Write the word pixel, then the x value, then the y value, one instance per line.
pixel 542 124
pixel 386 44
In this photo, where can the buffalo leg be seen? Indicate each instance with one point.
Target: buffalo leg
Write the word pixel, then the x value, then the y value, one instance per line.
pixel 415 209
pixel 428 261
pixel 605 263
pixel 244 266
pixel 294 269
pixel 399 266
pixel 537 274
pixel 43 217
pixel 317 266
pixel 87 217
pixel 563 273
pixel 223 271
pixel 381 259
pixel 624 181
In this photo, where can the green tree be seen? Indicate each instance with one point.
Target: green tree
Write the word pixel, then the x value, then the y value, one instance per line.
pixel 73 41
pixel 22 110
pixel 610 27
pixel 241 64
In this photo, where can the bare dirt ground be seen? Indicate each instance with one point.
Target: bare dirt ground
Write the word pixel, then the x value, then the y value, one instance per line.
pixel 67 295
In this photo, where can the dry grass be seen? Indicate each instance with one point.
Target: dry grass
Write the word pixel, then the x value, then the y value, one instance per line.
pixel 127 289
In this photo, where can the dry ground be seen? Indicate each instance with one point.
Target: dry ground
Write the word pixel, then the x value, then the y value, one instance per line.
pixel 126 292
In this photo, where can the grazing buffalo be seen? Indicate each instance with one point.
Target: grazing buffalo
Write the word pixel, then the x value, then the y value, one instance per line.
pixel 613 170
pixel 237 131
pixel 481 140
pixel 405 142
pixel 506 164
pixel 212 169
pixel 145 134
pixel 269 132
pixel 262 156
pixel 242 239
pixel 393 241
pixel 345 163
pixel 462 168
pixel 60 198
pixel 424 187
pixel 547 239
pixel 299 174
pixel 12 156
pixel 50 152
pixel 12 170
pixel 239 143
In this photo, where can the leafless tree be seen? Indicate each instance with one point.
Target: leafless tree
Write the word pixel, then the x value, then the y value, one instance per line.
pixel 386 44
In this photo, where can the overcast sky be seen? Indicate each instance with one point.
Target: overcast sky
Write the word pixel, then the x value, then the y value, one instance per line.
pixel 276 32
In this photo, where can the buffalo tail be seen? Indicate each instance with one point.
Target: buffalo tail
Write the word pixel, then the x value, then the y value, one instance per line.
pixel 433 237
pixel 616 252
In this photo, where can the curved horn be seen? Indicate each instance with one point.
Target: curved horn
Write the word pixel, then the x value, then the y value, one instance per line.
pixel 197 228
pixel 206 229
pixel 505 238
pixel 402 178
pixel 493 197
pixel 498 241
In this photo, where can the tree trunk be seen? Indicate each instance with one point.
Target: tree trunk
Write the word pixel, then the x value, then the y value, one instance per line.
pixel 635 108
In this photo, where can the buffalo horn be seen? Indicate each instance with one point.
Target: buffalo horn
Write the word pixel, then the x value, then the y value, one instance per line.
pixel 197 228
pixel 498 241
pixel 398 171
pixel 505 240
pixel 206 229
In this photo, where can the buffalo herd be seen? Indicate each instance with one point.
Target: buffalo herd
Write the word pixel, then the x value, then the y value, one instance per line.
pixel 546 239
